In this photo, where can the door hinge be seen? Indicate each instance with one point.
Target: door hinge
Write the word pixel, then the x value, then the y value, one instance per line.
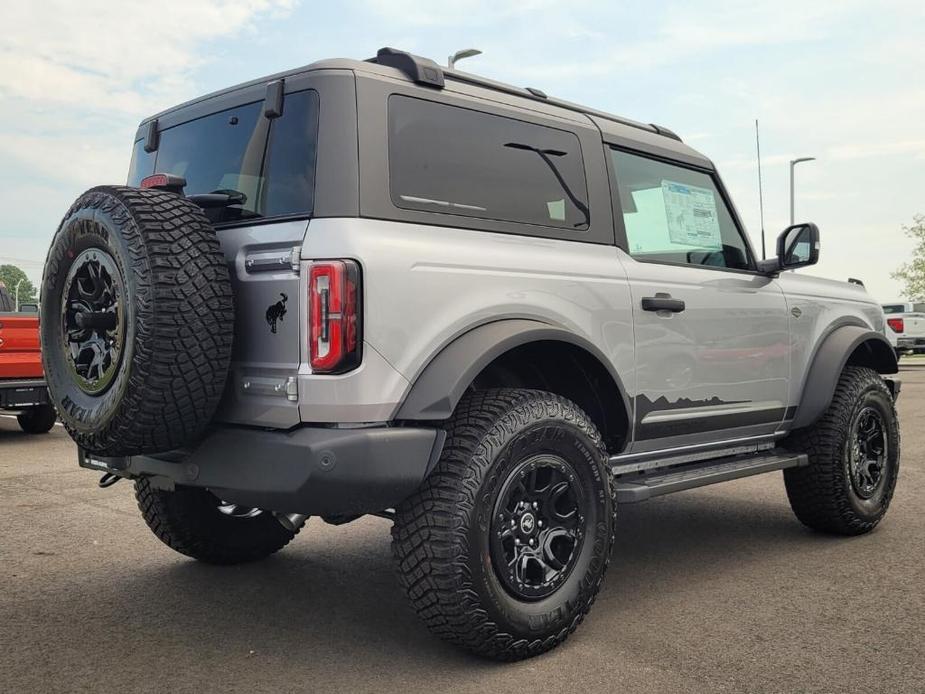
pixel 292 389
pixel 275 261
pixel 295 258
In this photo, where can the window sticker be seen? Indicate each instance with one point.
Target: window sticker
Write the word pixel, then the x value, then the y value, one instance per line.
pixel 691 213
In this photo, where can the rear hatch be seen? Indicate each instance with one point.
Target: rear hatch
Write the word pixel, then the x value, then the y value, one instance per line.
pixel 264 153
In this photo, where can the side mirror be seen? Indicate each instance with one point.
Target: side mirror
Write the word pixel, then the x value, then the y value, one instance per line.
pixel 797 246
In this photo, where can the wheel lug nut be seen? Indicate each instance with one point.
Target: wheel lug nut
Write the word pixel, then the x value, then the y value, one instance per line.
pixel 532 542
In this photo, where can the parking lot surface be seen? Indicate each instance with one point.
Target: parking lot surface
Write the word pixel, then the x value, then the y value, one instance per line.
pixel 718 589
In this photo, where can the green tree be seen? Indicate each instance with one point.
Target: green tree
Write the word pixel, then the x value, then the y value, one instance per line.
pixel 912 274
pixel 10 275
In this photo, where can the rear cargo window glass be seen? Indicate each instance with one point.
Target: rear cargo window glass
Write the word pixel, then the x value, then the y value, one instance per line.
pixel 270 161
pixel 463 162
pixel 142 163
pixel 894 308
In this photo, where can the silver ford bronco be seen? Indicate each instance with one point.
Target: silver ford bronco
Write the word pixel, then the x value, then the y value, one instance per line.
pixel 491 316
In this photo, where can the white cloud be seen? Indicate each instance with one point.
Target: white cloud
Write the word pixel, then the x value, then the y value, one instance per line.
pixel 113 55
pixel 76 78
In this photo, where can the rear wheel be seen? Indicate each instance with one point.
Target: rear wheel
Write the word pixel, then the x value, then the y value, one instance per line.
pixel 38 420
pixel 503 548
pixel 197 523
pixel 853 458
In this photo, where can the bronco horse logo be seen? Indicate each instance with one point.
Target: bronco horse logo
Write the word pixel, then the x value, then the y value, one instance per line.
pixel 276 312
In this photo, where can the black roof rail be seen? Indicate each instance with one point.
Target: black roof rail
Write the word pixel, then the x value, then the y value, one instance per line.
pixel 662 130
pixel 426 71
pixel 420 70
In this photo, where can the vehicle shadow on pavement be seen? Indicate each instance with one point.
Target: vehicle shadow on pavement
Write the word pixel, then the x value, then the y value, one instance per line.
pixel 340 600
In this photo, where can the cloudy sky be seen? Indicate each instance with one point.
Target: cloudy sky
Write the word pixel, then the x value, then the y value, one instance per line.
pixel 841 80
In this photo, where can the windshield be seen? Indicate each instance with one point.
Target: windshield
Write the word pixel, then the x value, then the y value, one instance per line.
pixel 894 308
pixel 269 162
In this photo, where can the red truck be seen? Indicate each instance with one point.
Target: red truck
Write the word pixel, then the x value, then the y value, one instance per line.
pixel 22 381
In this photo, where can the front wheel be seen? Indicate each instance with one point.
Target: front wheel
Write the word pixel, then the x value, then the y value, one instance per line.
pixel 503 548
pixel 853 458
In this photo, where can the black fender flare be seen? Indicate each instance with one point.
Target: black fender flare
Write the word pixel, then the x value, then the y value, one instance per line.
pixel 442 383
pixel 828 363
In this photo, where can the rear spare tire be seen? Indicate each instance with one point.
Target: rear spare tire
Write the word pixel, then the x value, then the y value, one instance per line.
pixel 136 321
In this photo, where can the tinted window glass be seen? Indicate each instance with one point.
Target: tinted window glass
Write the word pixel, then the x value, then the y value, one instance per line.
pixel 894 308
pixel 142 163
pixel 272 162
pixel 676 215
pixel 289 186
pixel 464 162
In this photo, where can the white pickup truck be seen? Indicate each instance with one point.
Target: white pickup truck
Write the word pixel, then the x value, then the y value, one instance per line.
pixel 906 325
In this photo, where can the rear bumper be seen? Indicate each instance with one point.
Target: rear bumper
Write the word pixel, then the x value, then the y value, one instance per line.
pixel 311 470
pixel 910 342
pixel 23 393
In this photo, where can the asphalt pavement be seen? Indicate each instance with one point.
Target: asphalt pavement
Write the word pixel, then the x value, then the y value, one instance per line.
pixel 711 590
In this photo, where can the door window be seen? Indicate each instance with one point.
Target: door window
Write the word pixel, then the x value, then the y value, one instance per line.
pixel 676 215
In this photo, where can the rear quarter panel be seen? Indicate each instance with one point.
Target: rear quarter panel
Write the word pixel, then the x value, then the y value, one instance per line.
pixel 424 286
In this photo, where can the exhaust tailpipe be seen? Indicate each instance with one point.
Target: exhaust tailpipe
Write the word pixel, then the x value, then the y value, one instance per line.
pixel 292 522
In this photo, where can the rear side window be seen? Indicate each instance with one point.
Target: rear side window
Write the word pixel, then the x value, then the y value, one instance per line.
pixel 270 161
pixel 894 308
pixel 676 215
pixel 458 161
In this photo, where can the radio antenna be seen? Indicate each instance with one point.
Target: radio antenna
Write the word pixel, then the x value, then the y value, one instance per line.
pixel 760 192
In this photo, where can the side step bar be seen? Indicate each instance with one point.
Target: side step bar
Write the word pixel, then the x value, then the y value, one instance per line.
pixel 639 486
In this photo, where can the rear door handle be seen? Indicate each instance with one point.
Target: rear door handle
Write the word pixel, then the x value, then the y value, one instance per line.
pixel 662 302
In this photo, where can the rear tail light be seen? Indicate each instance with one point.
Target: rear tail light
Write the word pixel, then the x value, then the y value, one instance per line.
pixel 896 324
pixel 335 317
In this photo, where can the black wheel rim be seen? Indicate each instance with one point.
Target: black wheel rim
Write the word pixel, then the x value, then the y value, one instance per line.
pixel 538 527
pixel 868 454
pixel 92 316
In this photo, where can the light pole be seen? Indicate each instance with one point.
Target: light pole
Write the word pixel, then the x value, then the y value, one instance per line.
pixel 459 55
pixel 16 293
pixel 794 162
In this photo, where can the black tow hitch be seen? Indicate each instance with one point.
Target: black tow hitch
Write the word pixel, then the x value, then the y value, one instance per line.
pixel 108 480
pixel 108 466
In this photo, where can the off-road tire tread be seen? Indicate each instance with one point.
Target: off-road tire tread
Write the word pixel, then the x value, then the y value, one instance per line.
pixel 171 517
pixel 429 536
pixel 184 323
pixel 38 420
pixel 817 492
